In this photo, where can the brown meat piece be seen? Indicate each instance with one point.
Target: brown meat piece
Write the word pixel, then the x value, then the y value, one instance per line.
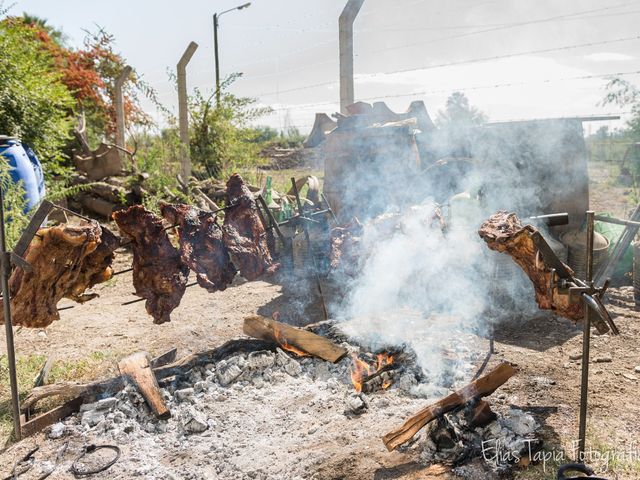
pixel 159 275
pixel 503 232
pixel 244 234
pixel 96 267
pixel 65 260
pixel 201 245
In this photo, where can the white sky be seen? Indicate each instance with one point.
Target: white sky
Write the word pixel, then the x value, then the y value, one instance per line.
pixel 283 45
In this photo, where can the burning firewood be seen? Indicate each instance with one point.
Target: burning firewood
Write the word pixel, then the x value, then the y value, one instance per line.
pixel 477 389
pixel 362 372
pixel 503 232
pixel 292 339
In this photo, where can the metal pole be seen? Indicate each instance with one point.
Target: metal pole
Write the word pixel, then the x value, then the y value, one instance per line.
pixel 314 265
pixel 215 53
pixel 5 266
pixel 586 339
pixel 183 111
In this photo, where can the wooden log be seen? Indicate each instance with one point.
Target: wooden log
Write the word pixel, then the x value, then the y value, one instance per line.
pixel 503 232
pixel 165 358
pixel 71 389
pixel 110 386
pixel 266 329
pixel 97 205
pixel 477 389
pixel 137 368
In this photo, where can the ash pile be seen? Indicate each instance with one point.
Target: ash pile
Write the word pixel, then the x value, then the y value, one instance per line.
pixel 259 413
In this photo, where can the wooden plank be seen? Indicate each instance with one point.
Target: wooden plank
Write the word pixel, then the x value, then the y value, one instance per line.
pixel 40 422
pixel 266 329
pixel 137 367
pixel 477 389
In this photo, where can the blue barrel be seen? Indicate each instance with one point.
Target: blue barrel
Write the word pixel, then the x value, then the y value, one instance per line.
pixel 25 167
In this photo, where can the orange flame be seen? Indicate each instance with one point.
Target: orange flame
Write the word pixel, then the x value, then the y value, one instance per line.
pixel 384 359
pixel 359 370
pixel 362 369
pixel 282 342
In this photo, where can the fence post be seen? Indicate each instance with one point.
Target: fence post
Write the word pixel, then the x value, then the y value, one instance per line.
pixel 183 113
pixel 345 26
pixel 118 103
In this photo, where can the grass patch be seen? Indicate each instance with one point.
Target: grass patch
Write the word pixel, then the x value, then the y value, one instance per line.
pixel 28 367
pixel 612 460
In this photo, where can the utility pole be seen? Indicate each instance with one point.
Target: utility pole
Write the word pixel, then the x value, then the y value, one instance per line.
pixel 345 25
pixel 183 112
pixel 216 16
pixel 118 101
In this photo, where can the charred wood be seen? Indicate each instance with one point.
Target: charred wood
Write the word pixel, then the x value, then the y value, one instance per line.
pixel 285 335
pixel 475 390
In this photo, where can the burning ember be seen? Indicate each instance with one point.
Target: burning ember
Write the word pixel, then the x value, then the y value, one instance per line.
pixel 282 342
pixel 361 371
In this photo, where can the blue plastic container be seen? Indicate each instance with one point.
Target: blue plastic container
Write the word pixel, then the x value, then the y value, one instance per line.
pixel 25 167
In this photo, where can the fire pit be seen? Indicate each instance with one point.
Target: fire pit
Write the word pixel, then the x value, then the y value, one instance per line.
pixel 266 412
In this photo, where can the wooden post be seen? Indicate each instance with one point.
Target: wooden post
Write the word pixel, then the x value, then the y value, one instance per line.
pixel 183 113
pixel 345 25
pixel 118 102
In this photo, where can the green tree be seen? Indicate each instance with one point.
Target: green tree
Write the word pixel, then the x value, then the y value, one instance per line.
pixel 221 137
pixel 459 113
pixel 34 104
pixel 625 95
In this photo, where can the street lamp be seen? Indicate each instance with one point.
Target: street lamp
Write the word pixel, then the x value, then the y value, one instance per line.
pixel 216 16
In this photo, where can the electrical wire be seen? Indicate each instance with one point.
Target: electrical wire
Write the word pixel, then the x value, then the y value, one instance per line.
pixel 468 61
pixel 512 25
pixel 497 27
pixel 479 87
pixel 462 62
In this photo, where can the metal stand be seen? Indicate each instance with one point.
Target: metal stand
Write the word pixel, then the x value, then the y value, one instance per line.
pixel 586 341
pixel 314 265
pixel 5 271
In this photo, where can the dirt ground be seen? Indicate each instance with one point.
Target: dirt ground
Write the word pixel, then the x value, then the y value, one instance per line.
pixel 544 349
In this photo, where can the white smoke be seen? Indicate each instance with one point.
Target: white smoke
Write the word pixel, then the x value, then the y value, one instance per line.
pixel 435 292
pixel 421 289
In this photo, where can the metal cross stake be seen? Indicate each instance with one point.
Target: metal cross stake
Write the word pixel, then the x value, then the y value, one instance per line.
pixel 6 259
pixel 586 341
pixel 5 271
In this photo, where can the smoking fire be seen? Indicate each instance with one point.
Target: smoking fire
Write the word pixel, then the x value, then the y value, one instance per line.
pixel 361 371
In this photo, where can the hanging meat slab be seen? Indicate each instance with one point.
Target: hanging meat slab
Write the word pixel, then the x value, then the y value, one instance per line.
pixel 96 267
pixel 201 245
pixel 65 260
pixel 159 275
pixel 503 232
pixel 244 233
